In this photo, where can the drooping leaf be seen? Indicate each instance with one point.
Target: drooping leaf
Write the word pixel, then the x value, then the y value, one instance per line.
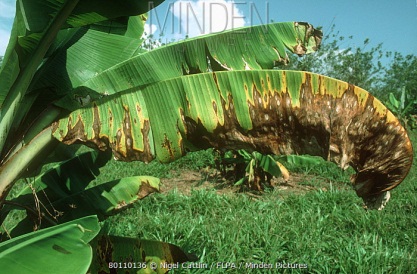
pixel 61 180
pixel 268 164
pixel 62 191
pixel 296 37
pixel 273 112
pixel 66 178
pixel 245 154
pixel 59 249
pixel 135 255
pixel 106 199
pixel 75 56
pixel 256 47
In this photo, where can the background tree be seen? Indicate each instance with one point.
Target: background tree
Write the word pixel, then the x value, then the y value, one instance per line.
pixel 338 58
pixel 400 73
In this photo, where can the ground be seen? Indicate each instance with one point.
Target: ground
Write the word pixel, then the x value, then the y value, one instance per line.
pixel 187 180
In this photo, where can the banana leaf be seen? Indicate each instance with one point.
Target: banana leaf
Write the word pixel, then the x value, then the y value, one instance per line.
pixel 115 254
pixel 59 249
pixel 62 193
pixel 244 48
pixel 299 160
pixel 65 178
pixel 273 112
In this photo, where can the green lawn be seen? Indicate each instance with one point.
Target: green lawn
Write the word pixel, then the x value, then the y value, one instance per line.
pixel 328 230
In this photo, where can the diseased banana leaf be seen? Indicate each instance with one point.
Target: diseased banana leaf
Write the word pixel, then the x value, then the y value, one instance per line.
pixel 34 47
pixel 272 112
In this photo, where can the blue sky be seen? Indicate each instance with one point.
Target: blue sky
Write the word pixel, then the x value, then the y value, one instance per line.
pixel 392 23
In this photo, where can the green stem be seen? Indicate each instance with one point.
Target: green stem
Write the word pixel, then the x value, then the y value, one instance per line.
pixel 12 170
pixel 45 119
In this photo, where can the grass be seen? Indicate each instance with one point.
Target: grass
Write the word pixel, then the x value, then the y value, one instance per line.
pixel 327 230
pixel 192 161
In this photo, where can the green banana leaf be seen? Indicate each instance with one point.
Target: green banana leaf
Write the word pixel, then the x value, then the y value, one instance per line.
pixel 273 112
pixel 59 181
pixel 243 48
pixel 67 177
pixel 79 54
pixel 268 164
pixel 393 102
pixel 299 160
pixel 38 12
pixel 59 249
pixel 102 200
pixel 36 25
pixel 115 254
pixel 105 199
pixel 258 161
pixel 275 165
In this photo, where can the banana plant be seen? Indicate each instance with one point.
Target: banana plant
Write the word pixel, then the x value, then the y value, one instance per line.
pixel 253 168
pixel 54 47
pixel 402 109
pixel 59 195
pixel 256 169
pixel 43 39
